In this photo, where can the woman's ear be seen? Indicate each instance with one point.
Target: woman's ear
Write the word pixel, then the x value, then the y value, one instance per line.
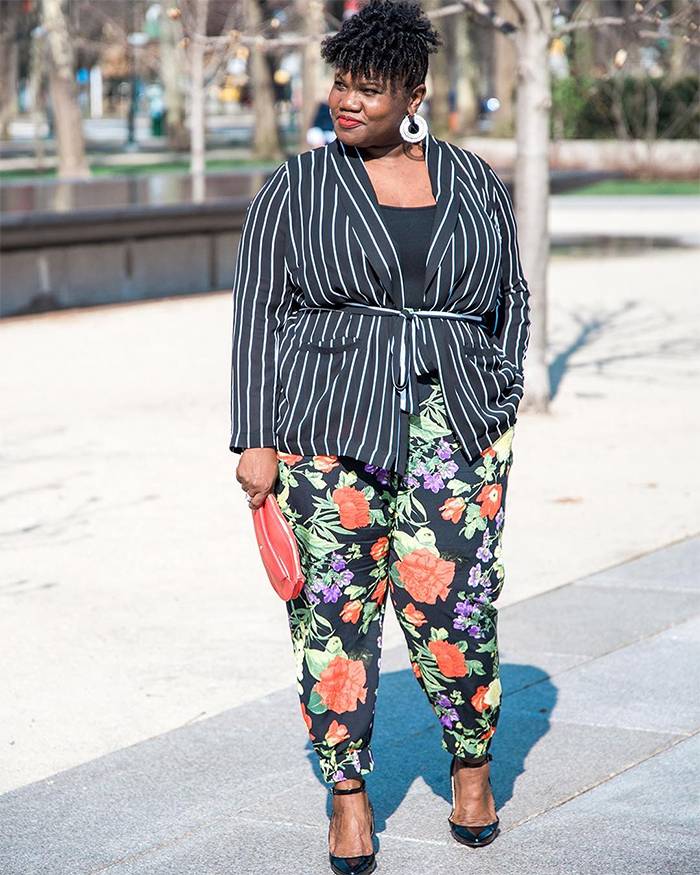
pixel 417 98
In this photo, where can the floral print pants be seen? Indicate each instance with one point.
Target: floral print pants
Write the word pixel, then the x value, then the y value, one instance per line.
pixel 432 540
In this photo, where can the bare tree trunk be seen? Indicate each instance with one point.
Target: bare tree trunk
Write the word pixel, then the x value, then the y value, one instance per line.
pixel 438 93
pixel 266 142
pixel 504 78
pixel 172 67
pixel 37 54
pixel 533 104
pixel 70 140
pixel 8 68
pixel 197 116
pixel 466 79
pixel 312 16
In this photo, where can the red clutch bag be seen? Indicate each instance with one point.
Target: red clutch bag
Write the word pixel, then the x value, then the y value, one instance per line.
pixel 278 548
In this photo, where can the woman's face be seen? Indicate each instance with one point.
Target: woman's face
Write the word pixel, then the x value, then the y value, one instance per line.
pixel 366 112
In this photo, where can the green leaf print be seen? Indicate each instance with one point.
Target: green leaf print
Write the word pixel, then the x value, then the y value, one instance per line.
pixel 377 517
pixel 354 591
pixel 438 634
pixel 457 487
pixel 426 538
pixel 405 544
pixel 315 478
pixel 347 478
pixel 425 431
pixel 334 645
pixel 394 575
pixel 316 704
pixel 474 521
pixel 316 545
pixel 317 661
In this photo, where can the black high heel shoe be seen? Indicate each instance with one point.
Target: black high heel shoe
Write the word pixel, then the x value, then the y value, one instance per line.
pixel 472 836
pixel 359 865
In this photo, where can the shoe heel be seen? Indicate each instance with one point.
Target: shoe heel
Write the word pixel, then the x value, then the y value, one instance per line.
pixel 361 864
pixel 472 836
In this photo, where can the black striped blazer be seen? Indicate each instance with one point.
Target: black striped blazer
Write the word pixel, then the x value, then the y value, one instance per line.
pixel 325 353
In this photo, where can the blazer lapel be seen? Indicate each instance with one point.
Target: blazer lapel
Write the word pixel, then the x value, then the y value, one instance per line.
pixel 360 202
pixel 442 175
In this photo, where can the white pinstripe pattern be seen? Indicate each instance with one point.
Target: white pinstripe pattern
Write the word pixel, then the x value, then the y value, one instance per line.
pixel 316 369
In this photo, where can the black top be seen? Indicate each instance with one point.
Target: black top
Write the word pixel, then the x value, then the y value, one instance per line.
pixel 410 229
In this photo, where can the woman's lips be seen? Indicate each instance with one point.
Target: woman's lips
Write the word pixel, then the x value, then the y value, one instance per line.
pixel 348 123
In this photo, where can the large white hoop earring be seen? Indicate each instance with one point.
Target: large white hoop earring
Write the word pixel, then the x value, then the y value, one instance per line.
pixel 413 128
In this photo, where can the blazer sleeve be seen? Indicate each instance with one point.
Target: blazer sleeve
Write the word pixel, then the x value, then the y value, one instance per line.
pixel 512 320
pixel 262 298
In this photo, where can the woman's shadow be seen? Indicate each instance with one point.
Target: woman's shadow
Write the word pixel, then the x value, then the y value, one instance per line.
pixel 407 735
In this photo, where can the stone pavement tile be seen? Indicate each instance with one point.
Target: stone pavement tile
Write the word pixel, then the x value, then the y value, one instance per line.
pixel 641 822
pixel 88 816
pixel 646 686
pixel 590 620
pixel 676 567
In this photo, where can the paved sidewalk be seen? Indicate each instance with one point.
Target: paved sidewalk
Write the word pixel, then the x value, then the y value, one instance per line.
pixel 596 759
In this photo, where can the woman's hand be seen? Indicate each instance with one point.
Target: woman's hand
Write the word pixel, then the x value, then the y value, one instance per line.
pixel 257 473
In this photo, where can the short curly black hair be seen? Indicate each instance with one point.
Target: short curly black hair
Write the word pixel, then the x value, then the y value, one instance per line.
pixel 387 39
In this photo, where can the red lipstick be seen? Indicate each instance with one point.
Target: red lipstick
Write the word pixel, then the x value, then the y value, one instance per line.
pixel 346 122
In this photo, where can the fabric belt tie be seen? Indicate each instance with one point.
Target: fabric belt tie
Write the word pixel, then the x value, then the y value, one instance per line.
pixel 404 330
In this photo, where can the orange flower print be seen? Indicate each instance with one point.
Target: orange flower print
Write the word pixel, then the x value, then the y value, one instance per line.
pixel 416 669
pixel 307 720
pixel 380 591
pixel 413 615
pixel 490 499
pixel 337 732
pixel 449 658
pixel 288 458
pixel 489 451
pixel 426 576
pixel 379 549
pixel 351 612
pixel 325 464
pixel 487 697
pixel 489 732
pixel 453 509
pixel 353 507
pixel 477 699
pixel 342 684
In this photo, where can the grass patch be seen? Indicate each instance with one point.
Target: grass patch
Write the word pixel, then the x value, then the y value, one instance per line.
pixel 102 171
pixel 622 187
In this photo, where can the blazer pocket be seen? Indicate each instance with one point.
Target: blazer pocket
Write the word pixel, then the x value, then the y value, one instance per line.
pixel 333 344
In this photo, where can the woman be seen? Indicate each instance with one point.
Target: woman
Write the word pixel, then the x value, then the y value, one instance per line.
pixel 379 333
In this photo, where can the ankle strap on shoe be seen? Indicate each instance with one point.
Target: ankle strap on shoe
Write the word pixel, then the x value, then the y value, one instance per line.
pixel 470 764
pixel 337 791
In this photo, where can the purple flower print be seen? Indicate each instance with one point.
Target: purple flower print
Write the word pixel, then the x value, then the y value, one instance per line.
pixel 339 775
pixel 474 631
pixel 381 474
pixel 410 481
pixel 433 482
pixel 443 701
pixel 464 609
pixel 500 516
pixel 346 577
pixel 449 717
pixel 475 576
pixel 338 563
pixel 331 593
pixel 483 552
pixel 444 451
pixel 419 469
pixel 449 469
